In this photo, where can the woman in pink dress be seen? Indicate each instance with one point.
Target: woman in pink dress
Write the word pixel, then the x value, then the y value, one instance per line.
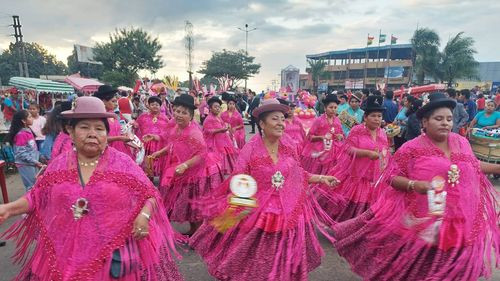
pixel 233 118
pixel 188 173
pixel 439 221
pixel 294 130
pixel 93 214
pixel 360 163
pixel 323 140
pixel 62 141
pixel 149 127
pixel 218 139
pixel 115 137
pixel 166 106
pixel 275 240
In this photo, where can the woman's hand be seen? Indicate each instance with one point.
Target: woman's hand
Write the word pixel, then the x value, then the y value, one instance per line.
pixel 422 187
pixel 39 165
pixel 125 138
pixel 4 213
pixel 141 227
pixel 329 180
pixel 373 155
pixel 180 169
pixel 155 155
pixel 150 137
pixel 339 137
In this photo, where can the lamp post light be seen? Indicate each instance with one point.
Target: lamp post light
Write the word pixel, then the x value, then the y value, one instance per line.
pixel 246 30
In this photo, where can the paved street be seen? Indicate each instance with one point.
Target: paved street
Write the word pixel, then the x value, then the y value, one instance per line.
pixel 333 267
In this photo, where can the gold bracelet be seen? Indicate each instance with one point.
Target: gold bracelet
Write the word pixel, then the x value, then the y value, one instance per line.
pixel 146 215
pixel 185 166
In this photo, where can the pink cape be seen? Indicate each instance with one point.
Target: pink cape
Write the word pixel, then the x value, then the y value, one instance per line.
pixel 180 192
pixel 235 120
pixel 275 241
pixel 397 239
pixel 115 130
pixel 146 125
pixel 357 175
pixel 220 145
pixel 52 245
pixel 62 143
pixel 314 158
pixel 295 131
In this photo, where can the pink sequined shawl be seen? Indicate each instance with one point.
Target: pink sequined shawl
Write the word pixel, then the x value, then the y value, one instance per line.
pixel 115 130
pixel 295 130
pixel 321 127
pixel 146 125
pixel 363 167
pixel 217 141
pixel 62 143
pixel 235 120
pixel 69 249
pixel 469 226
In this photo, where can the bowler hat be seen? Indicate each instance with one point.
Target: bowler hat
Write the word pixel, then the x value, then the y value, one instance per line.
pixel 87 107
pixel 270 105
pixel 436 100
pixel 184 100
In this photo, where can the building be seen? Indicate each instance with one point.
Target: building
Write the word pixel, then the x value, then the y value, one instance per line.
pixel 365 67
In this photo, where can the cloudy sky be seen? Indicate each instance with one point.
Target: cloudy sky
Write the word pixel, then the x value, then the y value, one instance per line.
pixel 287 30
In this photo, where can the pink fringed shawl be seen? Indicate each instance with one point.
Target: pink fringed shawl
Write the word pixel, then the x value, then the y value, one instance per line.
pixel 62 143
pixel 69 249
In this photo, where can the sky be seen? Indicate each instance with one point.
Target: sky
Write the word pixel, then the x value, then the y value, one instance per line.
pixel 286 30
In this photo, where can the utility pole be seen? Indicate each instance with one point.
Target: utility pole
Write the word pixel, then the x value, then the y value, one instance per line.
pixel 20 45
pixel 246 30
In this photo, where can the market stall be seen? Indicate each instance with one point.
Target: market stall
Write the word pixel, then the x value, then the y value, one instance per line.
pixel 45 92
pixel 83 85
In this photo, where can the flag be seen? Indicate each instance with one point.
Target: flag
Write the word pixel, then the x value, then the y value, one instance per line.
pixel 393 40
pixel 370 40
pixel 381 39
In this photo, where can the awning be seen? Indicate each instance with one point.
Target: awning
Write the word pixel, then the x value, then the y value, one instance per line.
pixel 418 90
pixel 40 85
pixel 83 85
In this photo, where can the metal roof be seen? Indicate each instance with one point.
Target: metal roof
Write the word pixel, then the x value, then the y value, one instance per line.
pixel 399 51
pixel 40 85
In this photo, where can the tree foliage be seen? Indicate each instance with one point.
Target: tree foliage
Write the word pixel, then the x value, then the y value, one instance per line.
pixel 235 66
pixel 426 49
pixel 85 69
pixel 317 71
pixel 40 62
pixel 127 52
pixel 457 59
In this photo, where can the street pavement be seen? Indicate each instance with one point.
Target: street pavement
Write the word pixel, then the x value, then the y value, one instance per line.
pixel 332 268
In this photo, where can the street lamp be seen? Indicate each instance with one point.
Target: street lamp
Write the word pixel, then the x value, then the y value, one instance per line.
pixel 246 30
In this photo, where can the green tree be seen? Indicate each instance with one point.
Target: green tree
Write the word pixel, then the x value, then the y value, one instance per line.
pixel 426 50
pixel 128 52
pixel 40 62
pixel 235 66
pixel 317 71
pixel 85 69
pixel 457 59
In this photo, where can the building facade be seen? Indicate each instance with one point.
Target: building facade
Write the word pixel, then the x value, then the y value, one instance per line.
pixel 390 66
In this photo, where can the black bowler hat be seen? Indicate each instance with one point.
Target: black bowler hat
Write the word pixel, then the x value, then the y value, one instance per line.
pixel 374 103
pixel 436 100
pixel 185 100
pixel 105 92
pixel 214 99
pixel 330 98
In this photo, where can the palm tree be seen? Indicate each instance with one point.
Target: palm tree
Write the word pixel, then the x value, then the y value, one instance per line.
pixel 426 50
pixel 317 70
pixel 457 59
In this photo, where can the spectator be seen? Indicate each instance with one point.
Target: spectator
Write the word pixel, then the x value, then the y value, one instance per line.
pixel 139 107
pixel 343 105
pixel 460 115
pixel 481 102
pixel 470 106
pixel 125 106
pixel 366 93
pixel 320 107
pixel 401 120
pixel 487 119
pixel 391 108
pixel 497 97
pixel 10 107
pixel 413 128
pixel 253 103
pixel 38 124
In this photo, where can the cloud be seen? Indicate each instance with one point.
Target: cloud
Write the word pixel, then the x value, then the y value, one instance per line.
pixel 287 30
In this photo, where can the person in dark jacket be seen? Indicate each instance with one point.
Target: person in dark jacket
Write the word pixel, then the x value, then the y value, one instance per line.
pixel 253 103
pixel 413 128
pixel 391 108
